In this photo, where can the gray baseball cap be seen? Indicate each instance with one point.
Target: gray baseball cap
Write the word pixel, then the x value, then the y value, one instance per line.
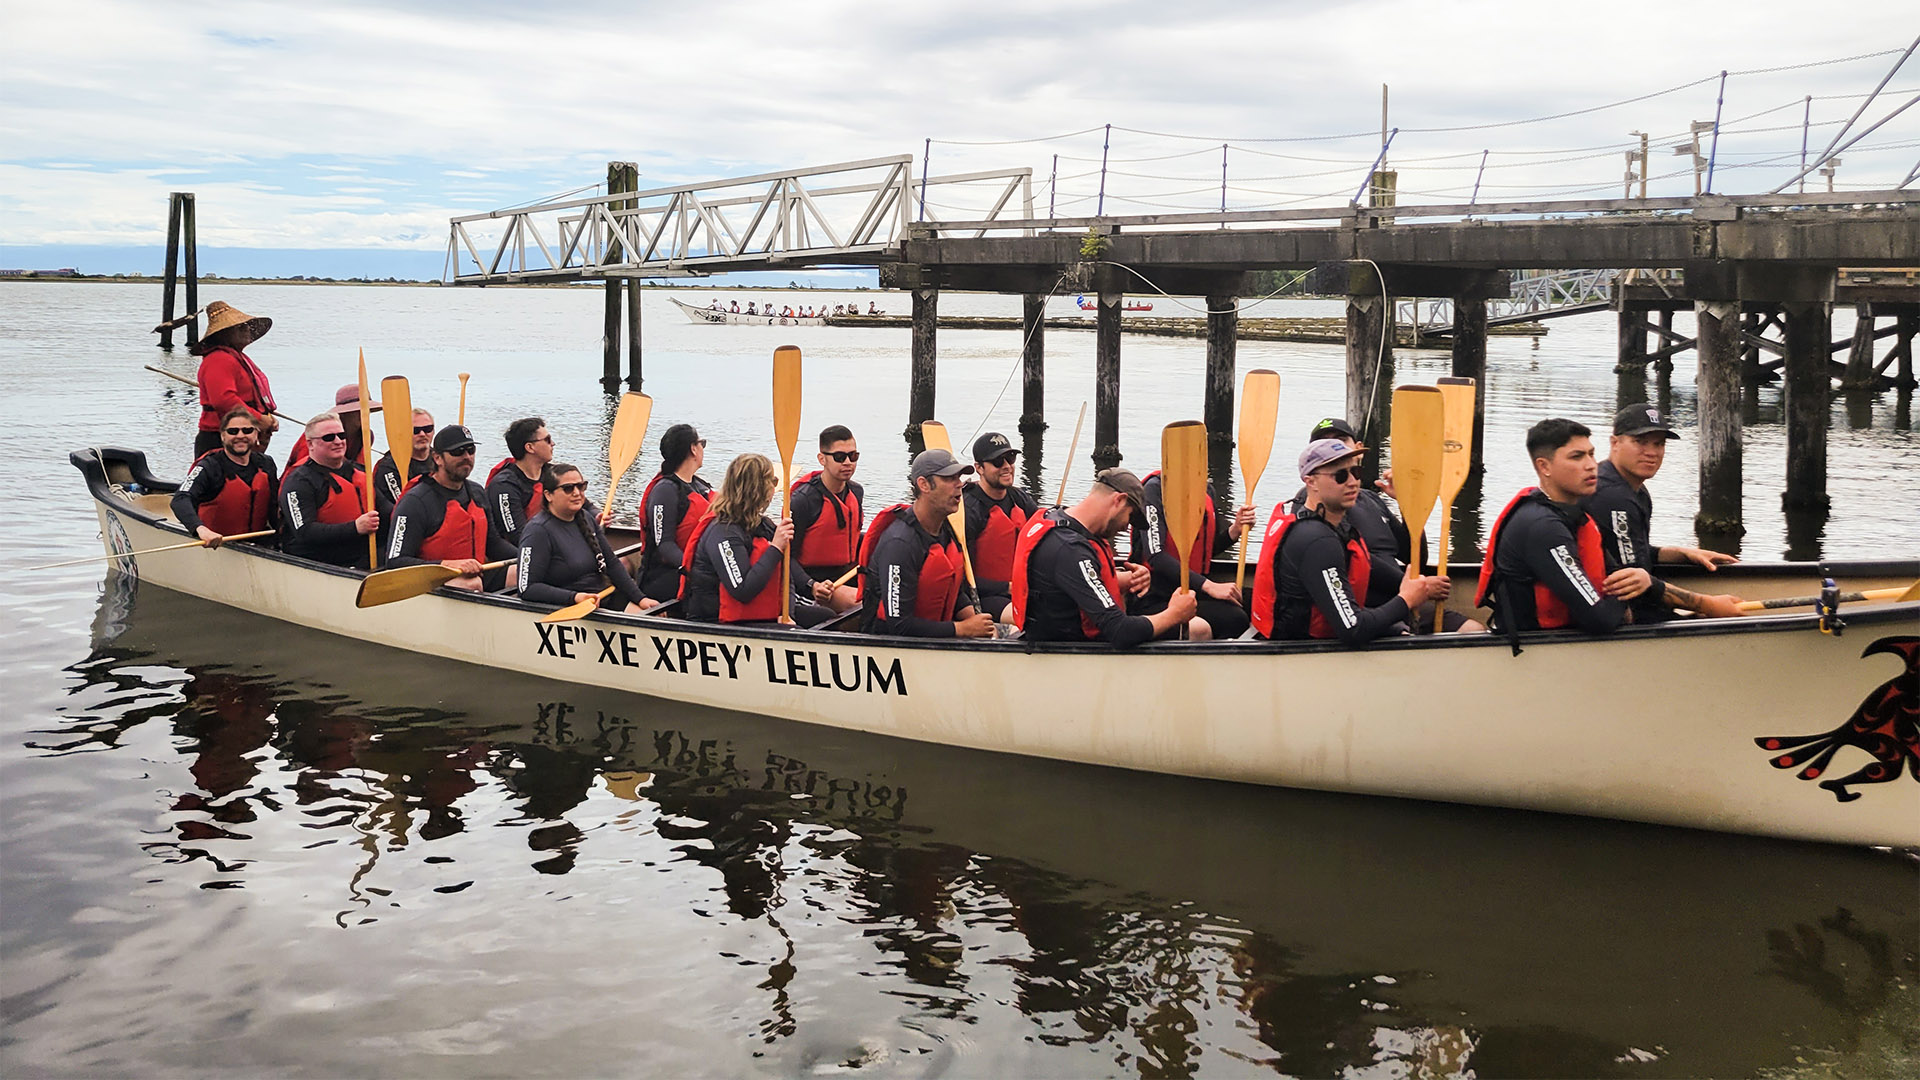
pixel 937 463
pixel 1321 453
pixel 1125 483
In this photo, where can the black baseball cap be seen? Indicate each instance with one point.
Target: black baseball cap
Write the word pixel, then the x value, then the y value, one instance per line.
pixel 992 447
pixel 454 437
pixel 1642 419
pixel 1333 428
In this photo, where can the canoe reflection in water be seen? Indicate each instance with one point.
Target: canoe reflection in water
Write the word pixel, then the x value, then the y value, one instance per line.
pixel 1117 913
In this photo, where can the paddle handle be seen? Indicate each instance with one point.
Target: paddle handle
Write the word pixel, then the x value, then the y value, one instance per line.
pixel 1809 601
pixel 150 551
pixel 196 386
pixel 1446 527
pixel 1072 449
pixel 464 376
pixel 846 577
pixel 786 561
pixel 1240 571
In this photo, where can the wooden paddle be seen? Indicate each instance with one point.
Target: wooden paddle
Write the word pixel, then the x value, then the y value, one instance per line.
pixel 366 455
pixel 629 431
pixel 1905 596
pixel 1456 458
pixel 1183 487
pixel 1072 448
pixel 934 434
pixel 149 551
pixel 396 398
pixel 464 376
pixel 786 434
pixel 196 386
pixel 406 582
pixel 1419 424
pixel 846 577
pixel 1259 411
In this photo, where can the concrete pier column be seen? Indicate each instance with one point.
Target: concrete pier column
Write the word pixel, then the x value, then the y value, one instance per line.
pixel 1106 381
pixel 1470 362
pixel 1860 357
pixel 1718 388
pixel 926 323
pixel 1033 363
pixel 1223 335
pixel 1633 339
pixel 1370 368
pixel 1808 390
pixel 633 334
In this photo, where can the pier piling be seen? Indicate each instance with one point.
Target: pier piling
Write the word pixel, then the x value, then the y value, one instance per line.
pixel 621 176
pixel 1809 328
pixel 180 240
pixel 1718 386
pixel 1106 381
pixel 1470 362
pixel 1033 363
pixel 1223 329
pixel 926 324
pixel 1370 369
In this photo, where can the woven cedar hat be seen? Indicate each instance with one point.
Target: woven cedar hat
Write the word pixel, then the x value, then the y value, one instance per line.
pixel 224 316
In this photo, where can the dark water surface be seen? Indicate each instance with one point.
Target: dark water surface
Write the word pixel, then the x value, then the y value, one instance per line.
pixel 234 847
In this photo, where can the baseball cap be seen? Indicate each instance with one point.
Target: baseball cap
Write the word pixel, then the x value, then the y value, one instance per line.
pixel 1321 453
pixel 1125 483
pixel 1642 419
pixel 992 447
pixel 937 463
pixel 453 437
pixel 1333 427
pixel 348 397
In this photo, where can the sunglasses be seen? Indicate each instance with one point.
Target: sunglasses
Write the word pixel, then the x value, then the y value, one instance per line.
pixel 841 456
pixel 240 431
pixel 1339 476
pixel 544 438
pixel 460 451
pixel 424 429
pixel 1002 460
pixel 571 489
pixel 331 436
pixel 700 442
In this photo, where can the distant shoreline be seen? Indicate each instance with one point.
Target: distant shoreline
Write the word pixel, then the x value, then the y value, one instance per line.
pixel 208 283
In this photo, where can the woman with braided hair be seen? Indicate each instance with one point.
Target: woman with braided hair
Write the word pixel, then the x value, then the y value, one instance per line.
pixel 565 556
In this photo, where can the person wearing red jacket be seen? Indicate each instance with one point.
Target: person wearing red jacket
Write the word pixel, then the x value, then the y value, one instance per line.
pixel 229 377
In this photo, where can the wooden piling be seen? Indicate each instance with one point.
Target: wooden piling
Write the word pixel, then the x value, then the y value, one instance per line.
pixel 1470 362
pixel 1033 363
pixel 1370 368
pixel 926 324
pixel 1106 381
pixel 633 334
pixel 1665 362
pixel 1860 374
pixel 1223 332
pixel 167 286
pixel 1632 351
pixel 1808 390
pixel 1909 327
pixel 621 176
pixel 190 254
pixel 1717 341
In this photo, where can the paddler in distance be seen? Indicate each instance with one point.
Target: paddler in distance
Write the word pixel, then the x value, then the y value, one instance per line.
pixel 915 578
pixel 1544 568
pixel 323 510
pixel 443 519
pixel 230 490
pixel 1315 569
pixel 1065 584
pixel 996 513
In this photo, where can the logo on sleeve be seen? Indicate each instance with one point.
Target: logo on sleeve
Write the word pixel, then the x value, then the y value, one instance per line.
pixel 1099 587
pixel 293 511
pixel 399 537
pixel 526 568
pixel 1342 603
pixel 1623 534
pixel 659 523
pixel 1575 575
pixel 506 510
pixel 893 591
pixel 1153 530
pixel 726 558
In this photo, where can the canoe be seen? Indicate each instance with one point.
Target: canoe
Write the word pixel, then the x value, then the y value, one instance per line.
pixel 1131 305
pixel 1763 725
pixel 708 315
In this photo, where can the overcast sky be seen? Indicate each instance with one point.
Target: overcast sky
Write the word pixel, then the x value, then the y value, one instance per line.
pixel 366 125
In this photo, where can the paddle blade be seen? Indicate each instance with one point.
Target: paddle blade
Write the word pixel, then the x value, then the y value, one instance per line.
pixel 1419 421
pixel 1456 435
pixel 629 431
pixel 1911 594
pixel 396 397
pixel 1183 485
pixel 1259 411
pixel 401 583
pixel 934 434
pixel 786 399
pixel 577 611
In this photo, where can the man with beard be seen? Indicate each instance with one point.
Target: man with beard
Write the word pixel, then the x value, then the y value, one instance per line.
pixel 229 490
pixel 323 510
pixel 443 519
pixel 1065 585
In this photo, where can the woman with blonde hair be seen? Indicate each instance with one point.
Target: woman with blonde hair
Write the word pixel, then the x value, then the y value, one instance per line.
pixel 734 558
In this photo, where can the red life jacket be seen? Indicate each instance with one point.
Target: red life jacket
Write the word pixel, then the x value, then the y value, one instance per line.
pixel 1266 578
pixel 1200 559
pixel 462 533
pixel 1036 530
pixel 836 543
pixel 534 505
pixel 240 507
pixel 940 573
pixel 993 550
pixel 1548 609
pixel 762 608
pixel 696 510
pixel 345 500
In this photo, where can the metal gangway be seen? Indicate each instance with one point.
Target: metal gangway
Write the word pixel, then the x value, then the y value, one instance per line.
pixel 855 210
pixel 1535 296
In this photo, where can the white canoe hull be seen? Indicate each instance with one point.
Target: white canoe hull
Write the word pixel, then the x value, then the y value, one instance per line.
pixel 708 315
pixel 1655 726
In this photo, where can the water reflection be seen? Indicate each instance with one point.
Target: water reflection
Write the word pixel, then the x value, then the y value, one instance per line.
pixel 1159 923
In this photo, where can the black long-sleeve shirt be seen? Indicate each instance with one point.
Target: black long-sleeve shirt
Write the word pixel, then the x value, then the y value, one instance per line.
pixel 1063 582
pixel 1536 544
pixel 1150 546
pixel 662 558
pixel 420 513
pixel 387 489
pixel 1311 575
pixel 509 493
pixel 556 561
pixel 893 582
pixel 723 559
pixel 1389 544
pixel 209 476
pixel 1625 518
pixel 306 487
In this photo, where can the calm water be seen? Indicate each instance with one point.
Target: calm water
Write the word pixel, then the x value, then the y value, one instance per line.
pixel 234 847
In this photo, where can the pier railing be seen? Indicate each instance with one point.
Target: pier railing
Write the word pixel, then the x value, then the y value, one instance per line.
pixel 851 210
